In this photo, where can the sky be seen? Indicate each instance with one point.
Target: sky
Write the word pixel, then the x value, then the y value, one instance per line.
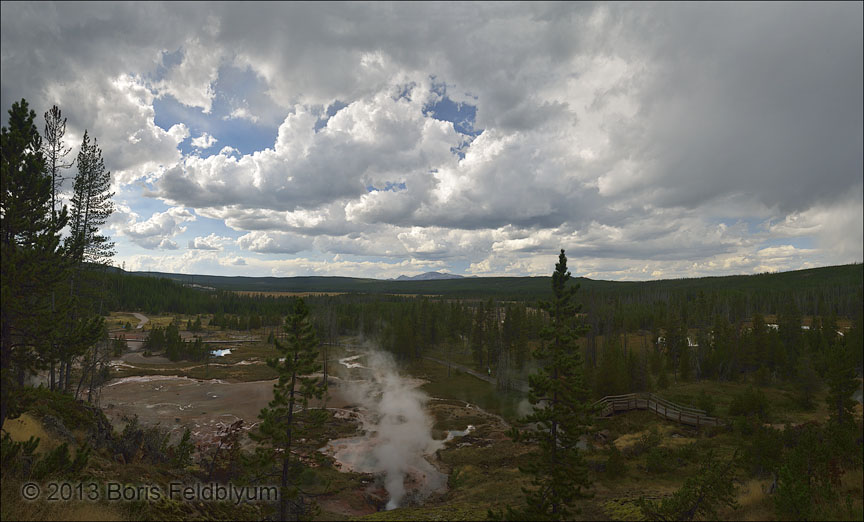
pixel 650 141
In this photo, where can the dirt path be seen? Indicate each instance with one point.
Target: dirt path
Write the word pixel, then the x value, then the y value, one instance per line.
pixel 143 318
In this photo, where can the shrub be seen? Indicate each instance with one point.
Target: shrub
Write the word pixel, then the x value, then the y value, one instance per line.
pixel 763 451
pixel 657 461
pixel 43 402
pixel 181 454
pixel 689 452
pixel 647 441
pixel 19 459
pixel 700 497
pixel 705 402
pixel 16 458
pixel 751 403
pixel 762 376
pixel 615 464
pixel 744 426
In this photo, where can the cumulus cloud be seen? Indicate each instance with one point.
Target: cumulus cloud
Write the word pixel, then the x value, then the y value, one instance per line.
pixel 273 242
pixel 649 142
pixel 157 231
pixel 208 262
pixel 242 113
pixel 368 143
pixel 204 141
pixel 164 244
pixel 191 81
pixel 211 242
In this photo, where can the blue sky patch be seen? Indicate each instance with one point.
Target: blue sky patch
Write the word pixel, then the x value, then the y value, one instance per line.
pixel 233 88
pixel 329 113
pixel 461 115
pixel 405 91
pixel 388 187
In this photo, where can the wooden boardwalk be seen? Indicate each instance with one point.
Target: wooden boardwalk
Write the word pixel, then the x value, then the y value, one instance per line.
pixel 612 404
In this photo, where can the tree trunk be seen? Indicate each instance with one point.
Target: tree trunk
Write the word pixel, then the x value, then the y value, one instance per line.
pixel 283 502
pixel 68 374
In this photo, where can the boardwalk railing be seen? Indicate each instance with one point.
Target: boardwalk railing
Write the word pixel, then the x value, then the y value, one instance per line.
pixel 661 407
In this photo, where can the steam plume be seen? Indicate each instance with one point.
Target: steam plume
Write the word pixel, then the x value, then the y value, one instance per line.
pixel 398 427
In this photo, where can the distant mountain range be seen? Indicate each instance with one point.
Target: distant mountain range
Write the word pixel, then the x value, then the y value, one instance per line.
pixel 429 276
pixel 436 283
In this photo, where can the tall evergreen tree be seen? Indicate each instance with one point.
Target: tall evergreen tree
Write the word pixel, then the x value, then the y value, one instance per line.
pixel 807 381
pixel 55 150
pixel 842 383
pixel 700 496
pixel 32 258
pixel 280 427
pixel 561 412
pixel 91 205
pixel 478 336
pixel 676 339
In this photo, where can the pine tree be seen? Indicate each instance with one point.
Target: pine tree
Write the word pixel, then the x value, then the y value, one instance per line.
pixel 612 374
pixel 662 378
pixel 55 150
pixel 280 427
pixel 700 496
pixel 842 383
pixel 91 206
pixel 33 263
pixel 684 364
pixel 561 412
pixel 807 382
pixel 676 339
pixel 637 371
pixel 478 337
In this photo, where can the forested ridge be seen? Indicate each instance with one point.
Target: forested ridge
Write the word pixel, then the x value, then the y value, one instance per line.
pixel 610 305
pixel 707 327
pixel 520 288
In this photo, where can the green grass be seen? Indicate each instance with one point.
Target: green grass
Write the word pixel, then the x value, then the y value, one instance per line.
pixel 464 387
pixel 783 406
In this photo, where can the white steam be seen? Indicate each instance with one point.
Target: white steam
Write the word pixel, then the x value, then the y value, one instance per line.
pixel 398 430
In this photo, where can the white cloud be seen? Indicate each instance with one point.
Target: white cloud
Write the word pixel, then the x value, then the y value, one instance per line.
pixel 157 231
pixel 166 244
pixel 368 143
pixel 274 242
pixel 209 262
pixel 836 228
pixel 191 81
pixel 121 118
pixel 204 141
pixel 211 242
pixel 241 113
